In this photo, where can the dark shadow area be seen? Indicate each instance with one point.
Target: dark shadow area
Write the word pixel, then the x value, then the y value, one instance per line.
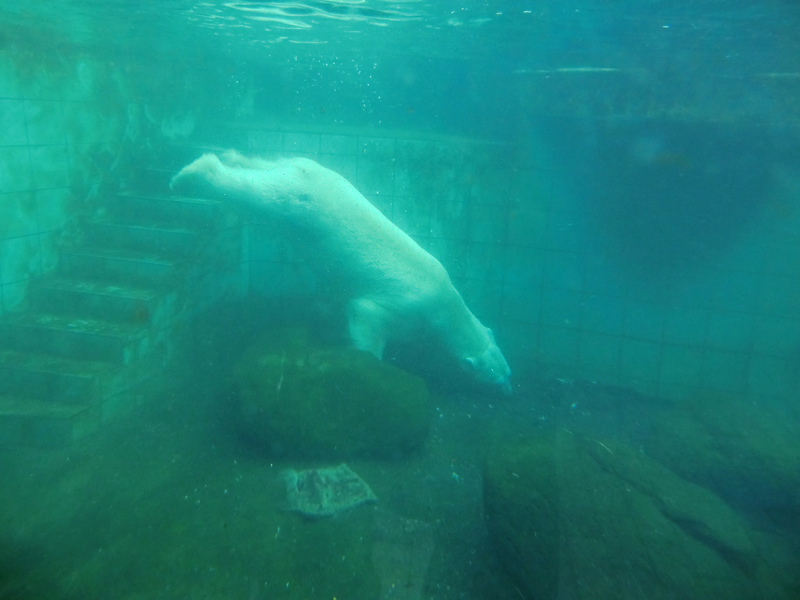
pixel 668 197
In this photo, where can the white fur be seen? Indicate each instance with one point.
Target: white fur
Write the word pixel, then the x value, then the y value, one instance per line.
pixel 392 284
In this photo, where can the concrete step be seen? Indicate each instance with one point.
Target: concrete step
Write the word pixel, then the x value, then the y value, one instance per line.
pixel 121 267
pixel 144 209
pixel 153 180
pixel 30 422
pixel 93 299
pixel 75 338
pixel 57 379
pixel 149 239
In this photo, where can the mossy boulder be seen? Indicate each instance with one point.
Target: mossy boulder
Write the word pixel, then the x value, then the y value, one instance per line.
pixel 309 401
pixel 583 518
pixel 748 453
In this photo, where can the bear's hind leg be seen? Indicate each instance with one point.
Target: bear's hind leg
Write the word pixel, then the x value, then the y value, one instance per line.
pixel 198 177
pixel 234 159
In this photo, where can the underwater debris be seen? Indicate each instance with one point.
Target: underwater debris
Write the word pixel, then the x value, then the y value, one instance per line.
pixel 325 492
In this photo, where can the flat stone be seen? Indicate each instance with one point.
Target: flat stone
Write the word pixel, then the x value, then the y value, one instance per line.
pixel 325 492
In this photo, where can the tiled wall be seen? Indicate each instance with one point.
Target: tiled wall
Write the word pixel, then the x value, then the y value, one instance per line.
pixel 732 326
pixel 518 245
pixel 59 132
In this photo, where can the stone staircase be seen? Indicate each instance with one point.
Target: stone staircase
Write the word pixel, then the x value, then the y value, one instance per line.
pixel 99 331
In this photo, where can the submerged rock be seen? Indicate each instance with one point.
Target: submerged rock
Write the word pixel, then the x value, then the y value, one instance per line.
pixel 325 492
pixel 304 400
pixel 401 553
pixel 583 518
pixel 746 452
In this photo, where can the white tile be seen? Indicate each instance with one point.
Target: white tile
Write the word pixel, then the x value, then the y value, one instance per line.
pixel 736 291
pixel 529 186
pixel 15 169
pixel 453 153
pixel 52 208
pixel 309 155
pixel 14 295
pixel 643 320
pixel 415 153
pixel 599 355
pixel 45 122
pixel 385 204
pixel 483 299
pixel 339 144
pixel 90 123
pixel 82 83
pixel 602 275
pixel 411 215
pixel 304 143
pixel 521 303
pixel 342 164
pixel 452 255
pixel 20 258
pixel 487 223
pixel 778 295
pixel 17 215
pixel 49 167
pixel 563 270
pixel 485 262
pixel 422 241
pixel 520 346
pixel 450 221
pixel 639 361
pixel 676 392
pixel 523 266
pixel 775 336
pixel 731 331
pixel 778 253
pixel 408 183
pixel 12 123
pixel 375 176
pixel 697 294
pixel 564 232
pixel 686 325
pixel 493 187
pixel 376 147
pixel 681 365
pixel 48 245
pixel 264 143
pixel 602 314
pixel 10 87
pixel 42 84
pixel 772 376
pixel 727 371
pixel 561 308
pixel 527 227
pixel 559 345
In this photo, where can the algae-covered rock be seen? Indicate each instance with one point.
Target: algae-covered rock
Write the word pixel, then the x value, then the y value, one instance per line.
pixel 748 453
pixel 319 558
pixel 309 401
pixel 582 518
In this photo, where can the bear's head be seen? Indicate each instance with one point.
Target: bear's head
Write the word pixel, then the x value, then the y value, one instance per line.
pixel 490 366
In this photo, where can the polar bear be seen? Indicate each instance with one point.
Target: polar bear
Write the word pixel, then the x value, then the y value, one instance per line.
pixel 392 285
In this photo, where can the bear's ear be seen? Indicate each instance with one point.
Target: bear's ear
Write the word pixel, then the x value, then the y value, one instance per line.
pixel 468 363
pixel 491 335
